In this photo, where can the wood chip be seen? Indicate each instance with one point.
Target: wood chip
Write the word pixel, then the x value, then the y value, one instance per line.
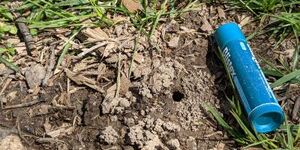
pixel 125 84
pixel 173 43
pixel 64 130
pixel 139 58
pixel 244 20
pixel 109 103
pixel 5 70
pixel 110 47
pixel 96 33
pixel 132 5
pixel 206 26
pixel 50 67
pixel 82 80
pixel 35 75
pixel 101 71
pixel 114 58
pixel 220 146
pixel 221 13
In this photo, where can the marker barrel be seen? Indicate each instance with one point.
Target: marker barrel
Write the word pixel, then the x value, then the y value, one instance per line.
pixel 264 112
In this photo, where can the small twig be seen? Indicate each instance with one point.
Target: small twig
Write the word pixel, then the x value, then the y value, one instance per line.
pixel 126 41
pixel 48 140
pixel 106 39
pixel 3 88
pixel 5 85
pixel 19 130
pixel 23 105
pixel 25 33
pixel 133 57
pixel 118 76
pixel 296 109
pixel 51 66
pixel 82 54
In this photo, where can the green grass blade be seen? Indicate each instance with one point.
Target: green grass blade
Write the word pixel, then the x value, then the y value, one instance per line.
pixel 9 64
pixel 256 144
pixel 244 127
pixel 290 137
pixel 218 117
pixel 270 143
pixel 298 134
pixel 286 78
pixel 66 46
pixel 224 124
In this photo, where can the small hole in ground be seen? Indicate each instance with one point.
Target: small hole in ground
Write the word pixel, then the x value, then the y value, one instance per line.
pixel 177 96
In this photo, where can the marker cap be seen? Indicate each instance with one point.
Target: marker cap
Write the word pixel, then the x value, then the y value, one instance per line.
pixel 266 117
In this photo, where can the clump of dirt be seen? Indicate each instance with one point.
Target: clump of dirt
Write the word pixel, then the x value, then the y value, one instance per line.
pixel 11 142
pixel 109 135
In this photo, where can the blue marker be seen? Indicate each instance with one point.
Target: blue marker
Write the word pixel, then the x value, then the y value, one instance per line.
pixel 264 112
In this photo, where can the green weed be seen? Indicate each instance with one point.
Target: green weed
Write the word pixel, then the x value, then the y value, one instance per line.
pixel 5 18
pixel 7 27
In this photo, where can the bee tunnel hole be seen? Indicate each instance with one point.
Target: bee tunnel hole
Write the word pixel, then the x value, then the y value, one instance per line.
pixel 177 96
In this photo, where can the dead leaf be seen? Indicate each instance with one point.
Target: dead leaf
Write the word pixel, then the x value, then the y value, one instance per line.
pixel 47 125
pixel 206 26
pixel 82 80
pixel 220 146
pixel 110 47
pixel 12 95
pixel 109 103
pixel 63 100
pixel 79 66
pixel 132 5
pixel 61 131
pixel 244 20
pixel 34 75
pixel 186 30
pixel 289 53
pixel 125 84
pixel 5 70
pixel 139 58
pixel 119 18
pixel 101 71
pixel 115 58
pixel 221 13
pixel 96 33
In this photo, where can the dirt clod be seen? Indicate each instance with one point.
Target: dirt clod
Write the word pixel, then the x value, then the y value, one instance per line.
pixel 174 144
pixel 11 142
pixel 109 135
pixel 34 75
pixel 173 43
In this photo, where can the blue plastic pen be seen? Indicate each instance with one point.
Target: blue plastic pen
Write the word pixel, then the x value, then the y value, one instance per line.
pixel 264 112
